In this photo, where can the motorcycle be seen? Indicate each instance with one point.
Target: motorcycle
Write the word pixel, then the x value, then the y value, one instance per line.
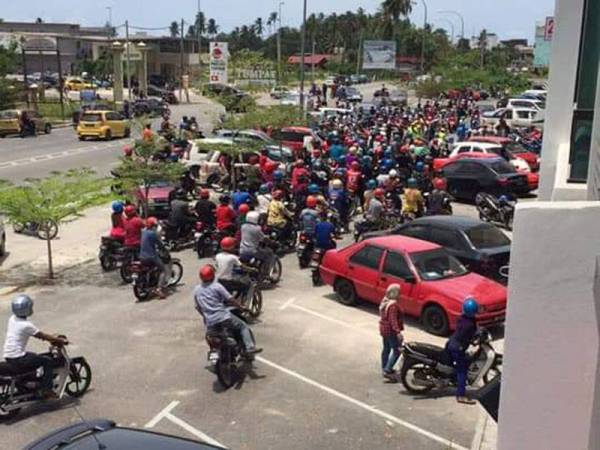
pixel 306 244
pixel 72 377
pixel 174 239
pixel 206 241
pixel 145 276
pixel 425 366
pixel 286 238
pixel 490 210
pixel 315 262
pixel 114 254
pixel 268 277
pixel 226 353
pixel 46 230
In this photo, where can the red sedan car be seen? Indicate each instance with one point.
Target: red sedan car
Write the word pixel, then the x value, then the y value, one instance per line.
pixel 434 283
pixel 293 137
pixel 514 147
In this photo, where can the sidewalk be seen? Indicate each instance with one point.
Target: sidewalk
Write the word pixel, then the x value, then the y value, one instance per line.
pixel 26 260
pixel 486 435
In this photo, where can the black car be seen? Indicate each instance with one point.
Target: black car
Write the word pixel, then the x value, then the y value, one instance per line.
pixel 166 95
pixel 154 107
pixel 469 176
pixel 480 246
pixel 105 434
pixel 353 95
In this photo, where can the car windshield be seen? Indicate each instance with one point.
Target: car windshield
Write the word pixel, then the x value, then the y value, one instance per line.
pixel 487 236
pixel 502 167
pixel 515 147
pixel 95 117
pixel 8 114
pixel 437 264
pixel 161 184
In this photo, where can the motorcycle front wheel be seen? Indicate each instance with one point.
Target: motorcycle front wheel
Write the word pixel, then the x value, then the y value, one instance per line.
pixel 411 370
pixel 275 273
pixel 107 263
pixel 125 273
pixel 255 306
pixel 176 273
pixel 141 291
pixel 80 378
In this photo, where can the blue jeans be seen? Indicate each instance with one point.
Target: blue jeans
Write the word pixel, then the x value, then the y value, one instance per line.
pixel 461 366
pixel 390 352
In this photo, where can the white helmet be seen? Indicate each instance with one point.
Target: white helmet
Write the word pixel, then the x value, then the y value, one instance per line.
pixel 393 173
pixel 337 184
pixel 252 217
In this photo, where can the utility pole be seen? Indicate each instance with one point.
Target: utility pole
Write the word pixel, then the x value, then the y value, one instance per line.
pixel 424 37
pixel 359 53
pixel 199 33
pixel 312 74
pixel 482 46
pixel 279 45
pixel 181 62
pixel 109 9
pixel 302 42
pixel 128 60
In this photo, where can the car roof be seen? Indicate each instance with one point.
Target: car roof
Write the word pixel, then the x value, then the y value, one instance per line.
pixel 298 129
pixel 485 145
pixel 460 222
pixel 402 243
pixel 492 139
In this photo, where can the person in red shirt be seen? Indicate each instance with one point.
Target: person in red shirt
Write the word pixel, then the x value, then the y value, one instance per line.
pixel 390 328
pixel 225 216
pixel 300 176
pixel 133 226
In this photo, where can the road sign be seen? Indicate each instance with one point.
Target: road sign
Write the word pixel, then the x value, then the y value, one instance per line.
pixel 379 55
pixel 219 56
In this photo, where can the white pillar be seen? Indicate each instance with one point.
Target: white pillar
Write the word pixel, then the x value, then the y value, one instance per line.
pixel 593 182
pixel 561 98
pixel 550 368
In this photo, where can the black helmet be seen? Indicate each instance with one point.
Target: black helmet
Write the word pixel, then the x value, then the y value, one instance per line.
pixel 180 194
pixel 224 199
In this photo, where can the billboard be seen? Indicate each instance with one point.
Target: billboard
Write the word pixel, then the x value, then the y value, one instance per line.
pixel 549 29
pixel 219 55
pixel 379 55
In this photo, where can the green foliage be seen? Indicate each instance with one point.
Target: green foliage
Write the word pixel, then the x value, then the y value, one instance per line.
pixel 56 198
pixel 274 116
pixel 142 170
pixel 100 68
pixel 9 91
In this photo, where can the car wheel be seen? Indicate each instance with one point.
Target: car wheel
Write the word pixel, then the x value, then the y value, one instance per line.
pixel 127 133
pixel 81 138
pixel 435 320
pixel 345 291
pixel 48 128
pixel 3 245
pixel 107 135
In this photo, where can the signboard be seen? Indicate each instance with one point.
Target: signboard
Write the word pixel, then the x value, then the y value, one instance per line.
pixel 379 55
pixel 219 55
pixel 134 53
pixel 549 29
pixel 39 44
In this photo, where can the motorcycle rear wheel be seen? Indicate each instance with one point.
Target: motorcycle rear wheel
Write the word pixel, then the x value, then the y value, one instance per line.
pixel 408 368
pixel 275 273
pixel 226 368
pixel 7 415
pixel 256 304
pixel 141 291
pixel 176 273
pixel 80 378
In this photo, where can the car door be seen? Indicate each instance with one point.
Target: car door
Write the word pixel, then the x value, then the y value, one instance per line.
pixel 363 269
pixel 395 270
pixel 115 124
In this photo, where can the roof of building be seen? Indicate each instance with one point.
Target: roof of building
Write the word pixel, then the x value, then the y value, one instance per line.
pixel 309 59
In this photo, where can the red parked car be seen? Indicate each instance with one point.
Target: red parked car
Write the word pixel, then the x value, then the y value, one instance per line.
pixel 159 198
pixel 293 137
pixel 514 147
pixel 434 283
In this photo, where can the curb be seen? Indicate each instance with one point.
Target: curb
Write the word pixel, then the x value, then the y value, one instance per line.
pixel 477 442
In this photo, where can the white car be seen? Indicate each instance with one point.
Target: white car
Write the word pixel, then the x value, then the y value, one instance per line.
pixel 528 103
pixel 485 147
pixel 514 117
pixel 278 92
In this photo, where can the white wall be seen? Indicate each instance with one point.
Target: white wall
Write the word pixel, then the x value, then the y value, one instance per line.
pixel 557 129
pixel 593 184
pixel 551 346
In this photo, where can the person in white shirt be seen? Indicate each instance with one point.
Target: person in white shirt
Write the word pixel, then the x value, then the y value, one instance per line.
pixel 263 199
pixel 18 332
pixel 227 264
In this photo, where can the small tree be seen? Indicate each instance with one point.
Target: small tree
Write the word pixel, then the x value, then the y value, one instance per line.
pixel 54 199
pixel 145 168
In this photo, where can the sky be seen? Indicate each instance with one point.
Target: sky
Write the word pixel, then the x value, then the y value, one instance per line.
pixel 507 18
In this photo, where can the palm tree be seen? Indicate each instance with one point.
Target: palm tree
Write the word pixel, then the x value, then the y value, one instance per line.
pixel 200 23
pixel 392 10
pixel 212 28
pixel 272 21
pixel 174 29
pixel 259 26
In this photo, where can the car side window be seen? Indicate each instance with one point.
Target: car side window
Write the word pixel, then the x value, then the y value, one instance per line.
pixel 368 256
pixel 477 150
pixel 445 238
pixel 523 114
pixel 110 116
pixel 416 231
pixel 508 115
pixel 464 149
pixel 396 266
pixel 450 169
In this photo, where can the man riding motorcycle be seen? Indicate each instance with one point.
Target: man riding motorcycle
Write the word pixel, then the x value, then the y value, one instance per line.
pixel 309 217
pixel 251 239
pixel 438 201
pixel 150 249
pixel 133 226
pixel 18 332
pixel 278 216
pixel 181 218
pixel 227 265
pixel 211 300
pixel 205 209
pixel 413 204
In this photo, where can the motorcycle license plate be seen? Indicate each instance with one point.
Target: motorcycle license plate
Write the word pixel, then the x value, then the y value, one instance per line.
pixel 197 235
pixel 213 357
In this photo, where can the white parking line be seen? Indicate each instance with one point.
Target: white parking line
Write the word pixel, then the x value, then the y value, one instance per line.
pixel 287 303
pixel 166 414
pixel 331 319
pixel 371 409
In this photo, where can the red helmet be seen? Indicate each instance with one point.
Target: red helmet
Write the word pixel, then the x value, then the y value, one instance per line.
pixel 205 194
pixel 311 201
pixel 130 211
pixel 440 184
pixel 207 273
pixel 355 166
pixel 128 150
pixel 278 194
pixel 227 243
pixel 270 167
pixel 379 193
pixel 151 222
pixel 244 208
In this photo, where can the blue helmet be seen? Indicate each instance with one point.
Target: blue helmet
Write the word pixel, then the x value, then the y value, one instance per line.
pixel 371 184
pixel 313 189
pixel 366 160
pixel 388 153
pixel 117 207
pixel 341 159
pixel 340 171
pixel 278 175
pixel 503 199
pixel 419 166
pixel 22 305
pixel 470 307
pixel 411 183
pixel 263 189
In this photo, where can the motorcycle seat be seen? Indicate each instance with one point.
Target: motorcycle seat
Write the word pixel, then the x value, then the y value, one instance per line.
pixel 8 370
pixel 433 352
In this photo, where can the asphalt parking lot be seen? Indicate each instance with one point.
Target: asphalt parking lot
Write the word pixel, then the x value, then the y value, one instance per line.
pixel 316 385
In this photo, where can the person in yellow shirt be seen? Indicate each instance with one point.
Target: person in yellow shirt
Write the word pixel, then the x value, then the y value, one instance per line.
pixel 279 217
pixel 413 203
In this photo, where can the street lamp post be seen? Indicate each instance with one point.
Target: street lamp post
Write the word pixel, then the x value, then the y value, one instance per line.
pixel 302 42
pixel 462 20
pixel 424 37
pixel 279 45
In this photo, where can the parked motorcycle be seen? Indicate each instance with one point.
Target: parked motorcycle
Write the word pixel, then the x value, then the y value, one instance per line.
pixel 226 353
pixel 72 377
pixel 426 367
pixel 174 239
pixel 114 254
pixel 45 230
pixel 491 210
pixel 304 250
pixel 145 276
